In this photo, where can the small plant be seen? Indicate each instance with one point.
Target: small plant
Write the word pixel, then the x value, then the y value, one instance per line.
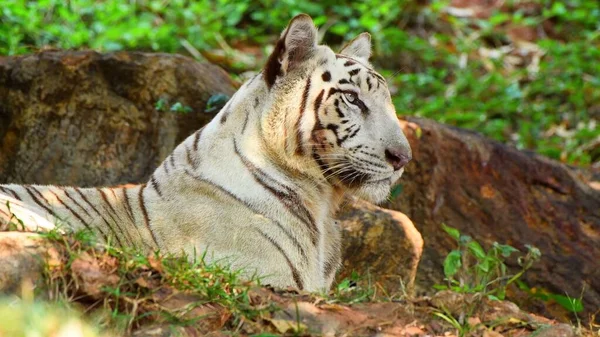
pixel 216 102
pixel 14 223
pixel 472 269
pixel 571 304
pixel 353 289
pixel 163 105
pixel 462 328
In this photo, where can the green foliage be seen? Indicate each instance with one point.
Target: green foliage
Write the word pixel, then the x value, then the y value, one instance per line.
pixel 163 105
pixel 216 102
pixel 434 61
pixel 571 304
pixel 354 289
pixel 142 278
pixel 472 269
pixel 462 328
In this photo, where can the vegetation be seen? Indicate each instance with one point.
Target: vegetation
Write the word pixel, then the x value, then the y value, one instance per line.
pixel 471 269
pixel 525 73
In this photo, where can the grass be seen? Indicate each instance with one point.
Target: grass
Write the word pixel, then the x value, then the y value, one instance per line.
pixel 100 290
pixel 472 72
pixel 131 289
pixel 121 290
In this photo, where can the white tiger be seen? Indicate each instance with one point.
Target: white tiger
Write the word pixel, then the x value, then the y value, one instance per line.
pixel 257 187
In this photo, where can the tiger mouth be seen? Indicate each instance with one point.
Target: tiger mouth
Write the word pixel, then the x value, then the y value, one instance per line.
pixel 354 178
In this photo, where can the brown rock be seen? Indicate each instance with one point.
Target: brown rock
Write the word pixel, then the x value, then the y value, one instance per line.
pixel 494 192
pixel 558 330
pixel 84 118
pixel 383 243
pixel 95 273
pixel 22 259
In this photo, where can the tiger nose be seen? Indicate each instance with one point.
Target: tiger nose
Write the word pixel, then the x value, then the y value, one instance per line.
pixel 398 157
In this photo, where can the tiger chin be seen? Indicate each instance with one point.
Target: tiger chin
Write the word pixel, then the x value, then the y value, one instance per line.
pixel 258 187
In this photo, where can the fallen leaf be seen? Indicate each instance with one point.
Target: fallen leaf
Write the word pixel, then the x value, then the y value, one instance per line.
pixel 283 326
pixel 155 263
pixel 492 333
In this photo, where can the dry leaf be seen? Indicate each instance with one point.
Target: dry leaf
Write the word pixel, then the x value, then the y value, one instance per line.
pixel 283 326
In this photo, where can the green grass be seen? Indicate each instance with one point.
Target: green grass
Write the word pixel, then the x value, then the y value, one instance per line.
pixel 433 59
pixel 141 285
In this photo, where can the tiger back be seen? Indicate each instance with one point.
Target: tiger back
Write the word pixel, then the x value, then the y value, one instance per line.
pixel 258 187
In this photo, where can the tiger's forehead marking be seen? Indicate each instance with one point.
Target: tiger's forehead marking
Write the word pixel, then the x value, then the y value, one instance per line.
pixel 349 61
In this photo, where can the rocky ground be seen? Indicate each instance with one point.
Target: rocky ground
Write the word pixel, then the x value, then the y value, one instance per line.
pixel 153 296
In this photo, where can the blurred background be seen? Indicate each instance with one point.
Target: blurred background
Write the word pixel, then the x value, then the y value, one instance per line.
pixel 526 73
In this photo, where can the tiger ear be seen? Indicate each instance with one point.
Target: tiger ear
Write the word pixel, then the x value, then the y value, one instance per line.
pixel 296 44
pixel 359 47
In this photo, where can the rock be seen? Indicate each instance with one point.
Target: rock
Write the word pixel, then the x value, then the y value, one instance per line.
pixel 23 257
pixel 494 192
pixel 85 118
pixel 381 243
pixel 558 330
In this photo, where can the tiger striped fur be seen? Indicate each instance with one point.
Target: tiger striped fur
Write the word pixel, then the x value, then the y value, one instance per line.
pixel 257 187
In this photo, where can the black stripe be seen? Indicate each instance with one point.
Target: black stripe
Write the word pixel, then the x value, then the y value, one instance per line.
pixel 349 63
pixel 11 192
pixel 132 216
pixel 343 81
pixel 71 210
pixel 76 203
pixel 197 139
pixel 225 115
pixel 126 233
pixel 253 209
pixel 289 198
pixel 128 209
pixel 333 91
pixel 326 76
pixel 354 133
pixel 379 77
pixel 322 165
pixel 35 199
pixel 354 71
pixel 110 214
pixel 247 115
pixel 145 213
pixel 155 185
pixel 172 160
pixel 299 149
pixel 369 85
pixel 293 270
pixel 95 210
pixel 319 100
pixel 337 108
pixel 165 166
pixel 188 155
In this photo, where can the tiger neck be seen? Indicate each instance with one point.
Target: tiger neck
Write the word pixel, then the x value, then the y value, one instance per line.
pixel 262 135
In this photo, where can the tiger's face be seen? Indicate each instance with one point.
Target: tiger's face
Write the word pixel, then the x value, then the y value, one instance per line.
pixel 346 121
pixel 357 140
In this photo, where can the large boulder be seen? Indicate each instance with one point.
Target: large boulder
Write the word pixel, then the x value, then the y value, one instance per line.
pixel 85 118
pixel 494 192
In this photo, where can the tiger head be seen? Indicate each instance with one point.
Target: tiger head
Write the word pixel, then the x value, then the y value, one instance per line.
pixel 338 112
